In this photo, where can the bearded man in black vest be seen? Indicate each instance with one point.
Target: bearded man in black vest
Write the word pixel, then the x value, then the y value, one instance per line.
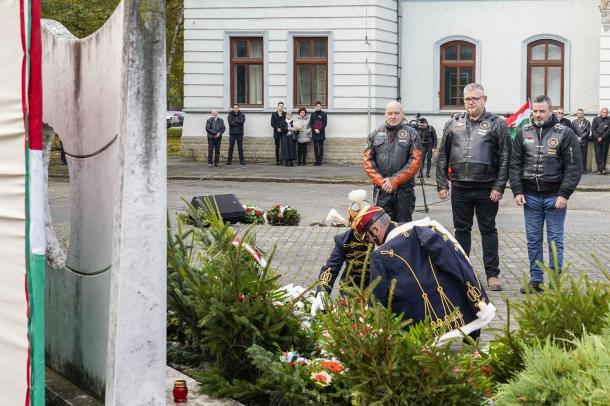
pixel 545 169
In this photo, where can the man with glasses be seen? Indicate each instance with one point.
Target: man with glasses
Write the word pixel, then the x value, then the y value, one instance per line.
pixel 434 279
pixel 392 159
pixel 476 148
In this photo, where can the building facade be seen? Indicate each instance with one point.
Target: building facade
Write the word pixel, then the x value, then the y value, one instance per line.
pixel 356 55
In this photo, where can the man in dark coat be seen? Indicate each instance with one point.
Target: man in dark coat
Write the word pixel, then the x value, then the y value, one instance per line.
pixel 476 147
pixel 236 120
pixel 545 168
pixel 349 251
pixel 434 278
pixel 600 134
pixel 427 135
pixel 278 119
pixel 317 123
pixel 214 127
pixel 582 127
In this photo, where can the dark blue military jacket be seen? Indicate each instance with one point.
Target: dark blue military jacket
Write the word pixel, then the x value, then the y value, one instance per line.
pixel 434 278
pixel 349 251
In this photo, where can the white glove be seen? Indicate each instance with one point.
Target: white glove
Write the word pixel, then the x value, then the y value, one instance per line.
pixel 317 304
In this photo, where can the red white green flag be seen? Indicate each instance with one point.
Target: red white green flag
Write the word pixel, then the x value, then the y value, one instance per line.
pixel 519 119
pixel 22 197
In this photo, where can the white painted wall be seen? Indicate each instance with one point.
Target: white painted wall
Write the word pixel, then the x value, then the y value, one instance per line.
pixel 358 31
pixel 502 28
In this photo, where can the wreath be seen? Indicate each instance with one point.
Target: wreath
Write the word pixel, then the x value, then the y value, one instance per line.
pixel 254 215
pixel 280 215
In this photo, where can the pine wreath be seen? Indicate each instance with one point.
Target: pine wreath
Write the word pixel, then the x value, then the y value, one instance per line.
pixel 280 215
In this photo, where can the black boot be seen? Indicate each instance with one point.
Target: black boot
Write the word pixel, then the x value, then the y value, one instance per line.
pixel 532 287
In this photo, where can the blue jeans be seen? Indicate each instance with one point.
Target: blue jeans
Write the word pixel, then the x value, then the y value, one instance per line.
pixel 539 210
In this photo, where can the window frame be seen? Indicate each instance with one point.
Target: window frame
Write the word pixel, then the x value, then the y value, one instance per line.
pixel 308 61
pixel 454 64
pixel 546 63
pixel 248 61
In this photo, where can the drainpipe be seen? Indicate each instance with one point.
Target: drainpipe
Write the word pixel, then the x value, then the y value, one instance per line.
pixel 369 106
pixel 369 74
pixel 398 37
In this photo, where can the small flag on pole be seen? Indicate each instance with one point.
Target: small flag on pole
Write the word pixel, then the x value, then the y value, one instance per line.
pixel 519 119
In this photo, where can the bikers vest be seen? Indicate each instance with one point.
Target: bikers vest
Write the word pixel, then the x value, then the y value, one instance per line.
pixel 541 153
pixel 474 146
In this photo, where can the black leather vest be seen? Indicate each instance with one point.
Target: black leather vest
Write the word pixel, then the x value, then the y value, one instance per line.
pixel 541 153
pixel 472 145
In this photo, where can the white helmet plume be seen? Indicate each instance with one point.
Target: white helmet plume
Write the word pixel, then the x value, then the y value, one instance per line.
pixel 357 196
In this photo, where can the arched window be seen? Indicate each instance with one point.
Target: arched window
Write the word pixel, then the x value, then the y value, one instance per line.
pixel 457 70
pixel 545 62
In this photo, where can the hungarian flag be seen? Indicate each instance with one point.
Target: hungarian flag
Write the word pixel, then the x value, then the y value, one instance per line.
pixel 520 118
pixel 22 202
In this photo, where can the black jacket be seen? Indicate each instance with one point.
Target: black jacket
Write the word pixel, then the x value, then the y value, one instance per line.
pixel 428 136
pixel 393 153
pixel 600 128
pixel 318 121
pixel 212 127
pixel 349 251
pixel 276 122
pixel 567 123
pixel 236 123
pixel 545 160
pixel 583 133
pixel 478 153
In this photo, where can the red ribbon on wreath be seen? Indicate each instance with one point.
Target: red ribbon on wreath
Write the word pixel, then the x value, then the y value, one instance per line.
pixel 254 252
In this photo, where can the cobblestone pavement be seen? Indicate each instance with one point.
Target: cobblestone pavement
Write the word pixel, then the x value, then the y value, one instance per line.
pixel 302 251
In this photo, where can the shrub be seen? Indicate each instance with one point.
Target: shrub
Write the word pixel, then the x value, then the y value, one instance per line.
pixel 384 364
pixel 174 140
pixel 175 132
pixel 559 376
pixel 222 302
pixel 566 311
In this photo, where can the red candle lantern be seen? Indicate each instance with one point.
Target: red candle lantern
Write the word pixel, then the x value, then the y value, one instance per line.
pixel 180 391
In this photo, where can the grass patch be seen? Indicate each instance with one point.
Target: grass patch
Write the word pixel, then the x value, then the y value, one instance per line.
pixel 174 132
pixel 174 136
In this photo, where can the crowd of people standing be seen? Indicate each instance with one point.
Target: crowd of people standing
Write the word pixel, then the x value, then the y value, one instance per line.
pixel 292 134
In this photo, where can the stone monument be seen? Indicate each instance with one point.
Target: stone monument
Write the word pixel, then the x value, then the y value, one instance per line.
pixel 106 301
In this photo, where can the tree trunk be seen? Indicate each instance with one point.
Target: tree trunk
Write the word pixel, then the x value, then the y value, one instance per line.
pixel 170 58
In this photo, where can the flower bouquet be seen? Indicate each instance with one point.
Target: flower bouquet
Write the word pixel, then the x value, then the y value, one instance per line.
pixel 254 214
pixel 294 379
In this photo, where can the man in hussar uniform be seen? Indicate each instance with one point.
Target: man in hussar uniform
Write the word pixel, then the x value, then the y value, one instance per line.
pixel 434 278
pixel 349 254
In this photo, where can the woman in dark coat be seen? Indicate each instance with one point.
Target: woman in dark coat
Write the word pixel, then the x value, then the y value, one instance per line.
pixel 287 146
